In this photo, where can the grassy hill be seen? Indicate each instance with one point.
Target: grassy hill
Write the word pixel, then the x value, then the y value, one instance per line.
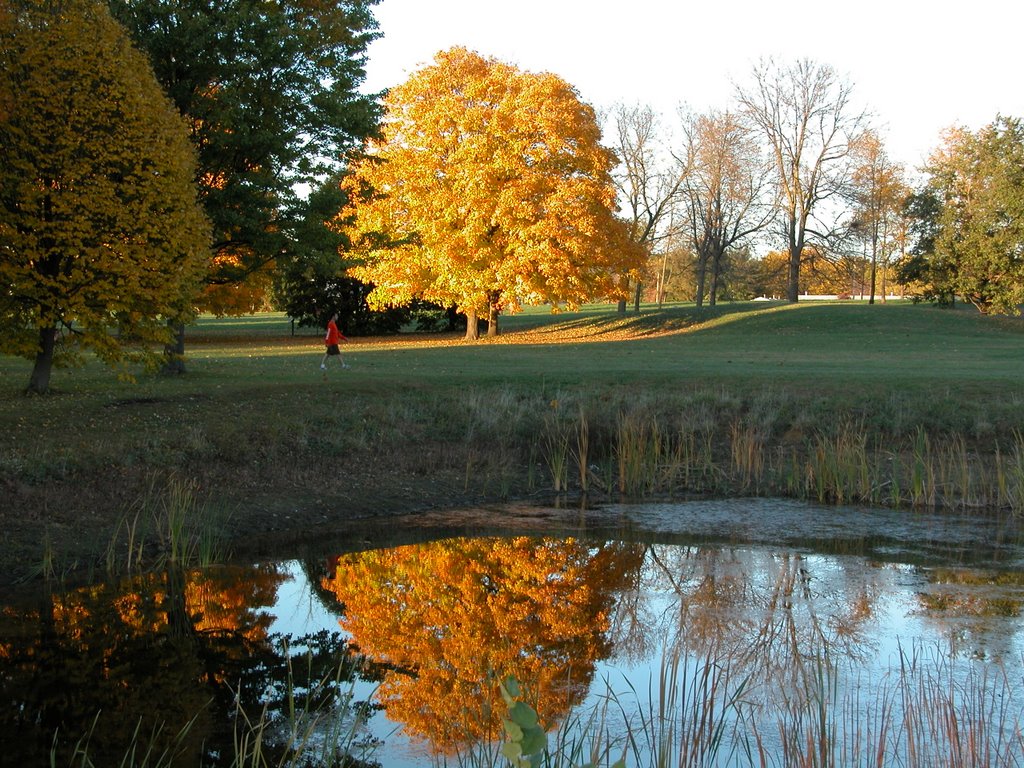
pixel 882 404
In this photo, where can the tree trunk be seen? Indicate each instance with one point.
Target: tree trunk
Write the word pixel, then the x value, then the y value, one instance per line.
pixel 39 381
pixel 717 259
pixel 492 317
pixel 174 353
pixel 472 325
pixel 793 279
pixel 662 277
pixel 625 290
pixel 713 290
pixel 637 295
pixel 702 272
pixel 874 268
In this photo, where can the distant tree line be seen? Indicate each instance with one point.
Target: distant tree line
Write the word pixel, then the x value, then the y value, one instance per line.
pixel 796 174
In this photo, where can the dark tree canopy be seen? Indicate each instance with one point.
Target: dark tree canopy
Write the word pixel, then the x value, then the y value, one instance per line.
pixel 270 90
pixel 312 285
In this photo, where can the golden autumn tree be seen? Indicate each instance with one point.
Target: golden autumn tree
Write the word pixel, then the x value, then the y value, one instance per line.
pixel 489 189
pixel 101 237
pixel 451 619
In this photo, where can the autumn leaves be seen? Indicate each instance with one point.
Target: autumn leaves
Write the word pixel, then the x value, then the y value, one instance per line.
pixel 101 236
pixel 488 189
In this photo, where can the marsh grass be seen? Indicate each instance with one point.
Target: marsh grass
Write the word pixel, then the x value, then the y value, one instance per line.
pixel 926 713
pixel 688 717
pixel 556 448
pixel 928 710
pixel 640 453
pixel 320 726
pixel 140 752
pixel 184 532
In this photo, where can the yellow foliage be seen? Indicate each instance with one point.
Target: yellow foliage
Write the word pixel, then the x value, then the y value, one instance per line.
pixel 452 619
pixel 232 296
pixel 488 181
pixel 100 229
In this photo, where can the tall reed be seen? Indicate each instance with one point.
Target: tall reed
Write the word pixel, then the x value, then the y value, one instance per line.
pixel 1009 476
pixel 748 455
pixel 688 716
pixel 556 448
pixel 838 467
pixel 639 453
pixel 185 527
pixel 582 452
pixel 140 753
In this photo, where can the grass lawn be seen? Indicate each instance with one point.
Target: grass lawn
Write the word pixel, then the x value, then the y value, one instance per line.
pixel 276 451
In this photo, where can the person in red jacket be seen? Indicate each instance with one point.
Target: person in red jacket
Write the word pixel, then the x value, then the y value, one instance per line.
pixel 332 339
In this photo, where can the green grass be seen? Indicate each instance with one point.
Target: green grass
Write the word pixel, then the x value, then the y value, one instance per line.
pixel 422 420
pixel 753 344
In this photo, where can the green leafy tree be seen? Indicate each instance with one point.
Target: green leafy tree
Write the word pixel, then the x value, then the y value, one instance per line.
pixel 271 93
pixel 101 237
pixel 928 275
pixel 971 219
pixel 313 285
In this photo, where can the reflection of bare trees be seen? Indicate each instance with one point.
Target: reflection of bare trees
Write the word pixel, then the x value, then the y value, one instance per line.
pixel 759 611
pixel 628 620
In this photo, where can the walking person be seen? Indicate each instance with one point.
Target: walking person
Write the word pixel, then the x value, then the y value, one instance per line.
pixel 332 339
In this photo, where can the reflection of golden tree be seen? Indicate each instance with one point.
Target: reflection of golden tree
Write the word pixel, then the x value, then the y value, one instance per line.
pixel 215 600
pixel 452 618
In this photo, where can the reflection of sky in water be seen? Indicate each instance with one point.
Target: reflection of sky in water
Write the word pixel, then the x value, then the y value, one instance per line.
pixel 872 614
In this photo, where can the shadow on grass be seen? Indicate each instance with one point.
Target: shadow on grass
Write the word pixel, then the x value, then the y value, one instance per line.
pixel 653 322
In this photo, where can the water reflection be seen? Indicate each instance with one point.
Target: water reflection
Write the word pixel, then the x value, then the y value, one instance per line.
pixel 449 620
pixel 427 630
pixel 154 664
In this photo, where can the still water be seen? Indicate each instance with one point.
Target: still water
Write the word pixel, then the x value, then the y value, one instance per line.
pixel 718 633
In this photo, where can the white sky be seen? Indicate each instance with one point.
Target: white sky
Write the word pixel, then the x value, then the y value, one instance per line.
pixel 917 66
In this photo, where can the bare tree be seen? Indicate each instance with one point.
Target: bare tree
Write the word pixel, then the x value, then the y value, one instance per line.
pixel 879 194
pixel 724 194
pixel 806 115
pixel 648 179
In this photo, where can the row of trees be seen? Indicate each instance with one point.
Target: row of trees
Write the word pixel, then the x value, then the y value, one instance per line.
pixel 133 195
pixel 795 163
pixel 464 198
pixel 489 187
pixel 792 164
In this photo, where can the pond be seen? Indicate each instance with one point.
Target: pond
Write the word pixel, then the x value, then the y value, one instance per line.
pixel 748 632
